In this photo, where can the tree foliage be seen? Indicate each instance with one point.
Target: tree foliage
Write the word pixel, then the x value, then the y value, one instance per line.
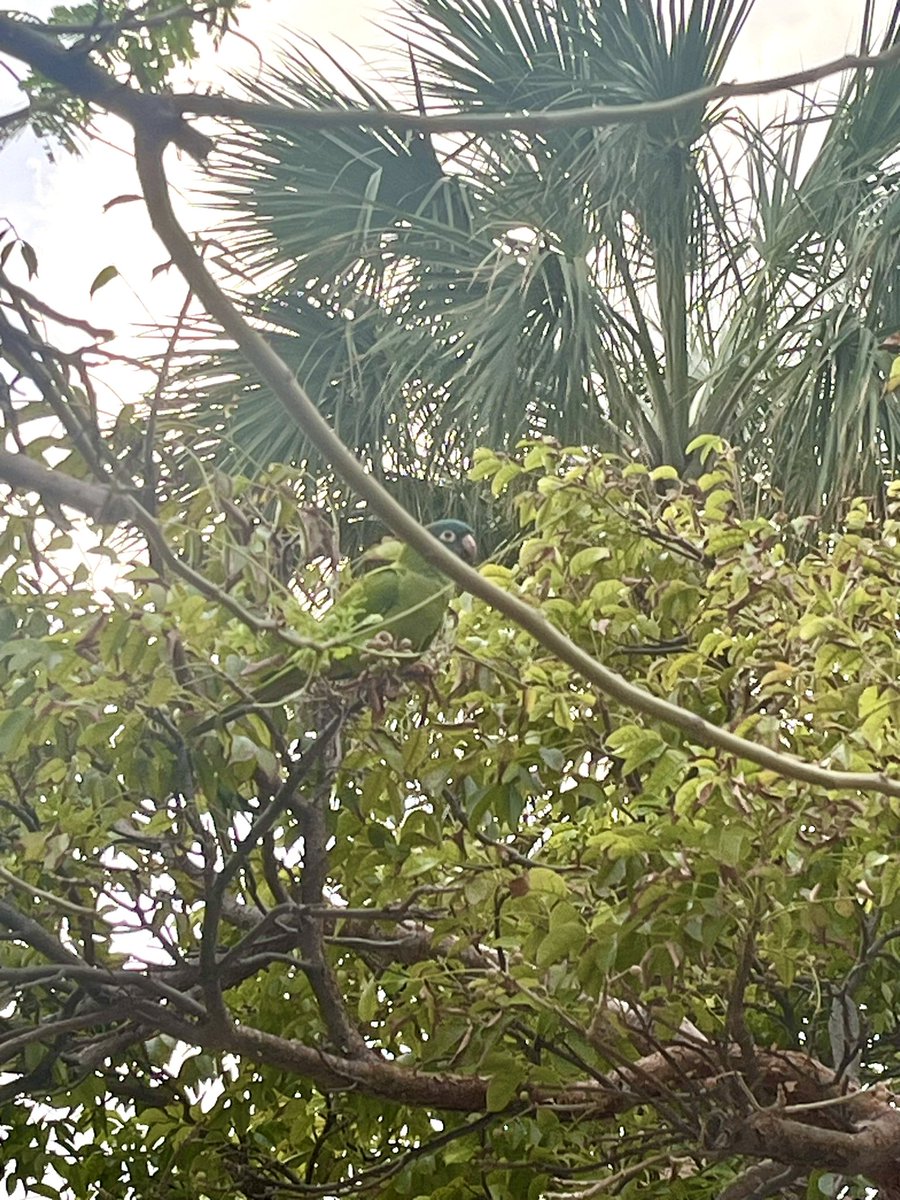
pixel 141 44
pixel 541 889
pixel 496 922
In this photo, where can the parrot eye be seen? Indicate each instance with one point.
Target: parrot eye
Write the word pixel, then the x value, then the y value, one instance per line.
pixel 448 536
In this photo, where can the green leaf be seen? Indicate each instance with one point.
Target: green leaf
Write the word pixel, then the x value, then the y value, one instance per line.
pixel 102 278
pixel 368 1001
pixel 562 941
pixel 636 745
pixel 583 560
pixel 541 879
pixel 707 443
pixel 504 476
pixel 890 881
pixel 12 729
pixel 30 257
pixel 729 844
pixel 502 1089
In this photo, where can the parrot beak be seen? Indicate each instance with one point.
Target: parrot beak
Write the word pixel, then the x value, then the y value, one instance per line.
pixel 469 547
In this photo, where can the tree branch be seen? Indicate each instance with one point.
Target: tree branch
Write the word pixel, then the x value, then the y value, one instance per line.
pixel 128 21
pixel 856 1133
pixel 24 297
pixel 102 977
pixel 97 501
pixel 35 935
pixel 13 1044
pixel 766 1178
pixel 105 504
pixel 75 71
pixel 869 1151
pixel 590 116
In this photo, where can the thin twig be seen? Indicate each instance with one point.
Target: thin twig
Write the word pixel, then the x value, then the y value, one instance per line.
pixel 162 379
pixel 76 910
pixel 46 1031
pixel 24 296
pixel 128 21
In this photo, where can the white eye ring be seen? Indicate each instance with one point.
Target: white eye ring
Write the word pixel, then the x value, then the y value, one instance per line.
pixel 448 536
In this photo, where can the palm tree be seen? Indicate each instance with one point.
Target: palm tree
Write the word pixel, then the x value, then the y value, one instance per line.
pixel 625 287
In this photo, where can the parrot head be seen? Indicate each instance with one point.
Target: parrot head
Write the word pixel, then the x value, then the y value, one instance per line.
pixel 456 536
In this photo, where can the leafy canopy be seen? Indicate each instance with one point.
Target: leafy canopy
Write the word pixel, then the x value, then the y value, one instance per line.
pixel 540 887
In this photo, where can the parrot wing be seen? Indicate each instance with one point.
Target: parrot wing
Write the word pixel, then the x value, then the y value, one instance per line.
pixel 406 602
pixel 382 553
pixel 363 605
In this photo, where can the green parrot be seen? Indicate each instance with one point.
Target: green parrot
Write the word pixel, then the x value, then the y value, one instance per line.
pixel 405 597
pixel 398 606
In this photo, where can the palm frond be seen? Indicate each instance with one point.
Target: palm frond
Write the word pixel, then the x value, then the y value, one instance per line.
pixel 625 287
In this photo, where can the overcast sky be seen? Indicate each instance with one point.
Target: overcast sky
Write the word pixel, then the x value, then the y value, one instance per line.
pixel 58 205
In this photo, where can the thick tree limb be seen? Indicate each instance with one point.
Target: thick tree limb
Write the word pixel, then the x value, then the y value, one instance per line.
pixel 766 1178
pixel 799 1115
pixel 866 1145
pixel 95 500
pixel 75 71
pixel 870 1151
